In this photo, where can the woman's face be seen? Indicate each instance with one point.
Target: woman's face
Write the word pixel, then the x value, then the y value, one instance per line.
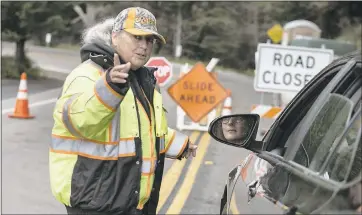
pixel 233 129
pixel 134 49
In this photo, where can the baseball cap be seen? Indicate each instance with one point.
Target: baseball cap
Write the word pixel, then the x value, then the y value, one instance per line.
pixel 137 21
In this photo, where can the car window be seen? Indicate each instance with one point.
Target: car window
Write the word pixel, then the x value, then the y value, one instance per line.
pixel 339 165
pixel 343 166
pixel 323 123
pixel 324 130
pixel 281 129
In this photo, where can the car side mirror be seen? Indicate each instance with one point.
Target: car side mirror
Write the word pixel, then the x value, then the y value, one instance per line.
pixel 237 130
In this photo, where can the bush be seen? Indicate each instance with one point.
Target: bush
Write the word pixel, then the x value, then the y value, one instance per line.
pixel 8 68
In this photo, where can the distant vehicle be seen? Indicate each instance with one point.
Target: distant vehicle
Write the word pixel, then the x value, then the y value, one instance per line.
pixel 307 34
pixel 339 48
pixel 309 161
pixel 300 27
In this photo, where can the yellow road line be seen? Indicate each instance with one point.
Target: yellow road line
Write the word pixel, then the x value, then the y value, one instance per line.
pixel 185 189
pixel 233 207
pixel 173 174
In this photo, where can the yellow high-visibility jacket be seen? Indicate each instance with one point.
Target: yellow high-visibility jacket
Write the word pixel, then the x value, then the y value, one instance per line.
pixel 106 154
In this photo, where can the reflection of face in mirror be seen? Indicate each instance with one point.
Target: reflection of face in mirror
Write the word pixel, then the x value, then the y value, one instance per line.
pixel 234 129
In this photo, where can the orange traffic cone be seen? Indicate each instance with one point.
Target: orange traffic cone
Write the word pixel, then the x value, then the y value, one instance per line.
pixel 22 104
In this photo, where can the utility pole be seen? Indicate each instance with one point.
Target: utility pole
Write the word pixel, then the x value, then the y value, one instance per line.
pixel 256 21
pixel 178 46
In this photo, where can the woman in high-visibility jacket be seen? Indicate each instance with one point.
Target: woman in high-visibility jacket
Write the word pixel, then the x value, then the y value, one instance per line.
pixel 110 135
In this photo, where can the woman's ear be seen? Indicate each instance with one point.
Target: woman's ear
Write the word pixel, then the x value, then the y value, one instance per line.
pixel 115 37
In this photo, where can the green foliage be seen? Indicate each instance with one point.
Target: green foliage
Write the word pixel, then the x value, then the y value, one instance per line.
pixel 288 11
pixel 23 20
pixel 8 70
pixel 352 34
pixel 331 17
pixel 226 30
pixel 209 29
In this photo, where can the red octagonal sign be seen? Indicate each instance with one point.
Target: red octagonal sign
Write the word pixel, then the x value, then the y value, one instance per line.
pixel 163 73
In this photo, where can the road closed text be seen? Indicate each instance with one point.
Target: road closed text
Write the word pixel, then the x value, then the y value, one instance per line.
pixel 287 78
pixel 282 68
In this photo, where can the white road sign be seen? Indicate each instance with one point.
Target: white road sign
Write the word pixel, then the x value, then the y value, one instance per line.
pixel 282 69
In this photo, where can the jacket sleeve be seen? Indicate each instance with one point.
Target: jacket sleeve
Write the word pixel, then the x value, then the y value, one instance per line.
pixel 176 144
pixel 89 105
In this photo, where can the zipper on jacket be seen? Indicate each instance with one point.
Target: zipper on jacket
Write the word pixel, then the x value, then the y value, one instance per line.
pixel 139 150
pixel 152 112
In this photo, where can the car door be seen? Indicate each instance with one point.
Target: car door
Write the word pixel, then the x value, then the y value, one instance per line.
pixel 261 177
pixel 329 184
pixel 315 133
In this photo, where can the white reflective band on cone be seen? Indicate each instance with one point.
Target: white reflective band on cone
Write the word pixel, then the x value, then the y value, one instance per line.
pixel 23 85
pixel 22 95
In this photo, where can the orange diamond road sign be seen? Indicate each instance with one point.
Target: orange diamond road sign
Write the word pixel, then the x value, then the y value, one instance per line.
pixel 197 92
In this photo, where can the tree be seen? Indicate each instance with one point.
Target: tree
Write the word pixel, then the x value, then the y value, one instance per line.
pixel 171 17
pixel 339 15
pixel 21 21
pixel 284 12
pixel 331 17
pixel 215 29
pixel 90 12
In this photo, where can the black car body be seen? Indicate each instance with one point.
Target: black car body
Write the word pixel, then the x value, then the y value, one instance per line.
pixel 309 161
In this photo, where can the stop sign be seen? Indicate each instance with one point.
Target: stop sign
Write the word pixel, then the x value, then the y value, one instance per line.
pixel 163 73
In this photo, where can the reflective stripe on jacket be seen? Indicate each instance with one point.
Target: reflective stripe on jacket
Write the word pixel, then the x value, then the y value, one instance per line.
pixel 103 155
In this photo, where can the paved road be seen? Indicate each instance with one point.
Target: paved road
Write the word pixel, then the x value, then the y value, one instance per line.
pixel 9 87
pixel 190 187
